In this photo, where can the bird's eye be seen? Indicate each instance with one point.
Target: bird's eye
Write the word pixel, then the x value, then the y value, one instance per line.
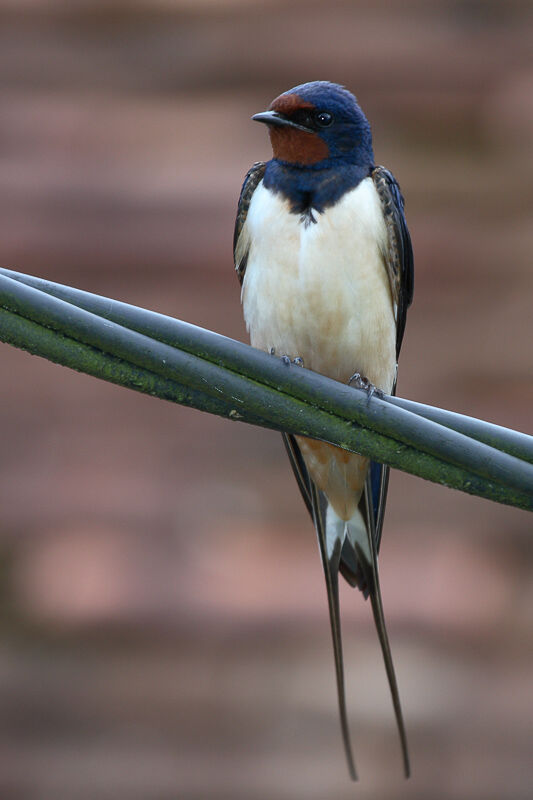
pixel 323 119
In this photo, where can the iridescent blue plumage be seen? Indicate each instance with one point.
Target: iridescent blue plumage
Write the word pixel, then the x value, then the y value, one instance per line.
pixel 313 187
pixel 349 136
pixel 348 154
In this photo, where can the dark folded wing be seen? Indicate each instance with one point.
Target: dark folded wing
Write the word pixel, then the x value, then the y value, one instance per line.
pixel 399 258
pixel 251 181
pixel 400 268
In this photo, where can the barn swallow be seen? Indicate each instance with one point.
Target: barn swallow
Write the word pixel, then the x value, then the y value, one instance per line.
pixel 324 258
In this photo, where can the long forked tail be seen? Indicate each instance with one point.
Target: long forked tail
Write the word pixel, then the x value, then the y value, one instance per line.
pixel 370 568
pixel 330 552
pixel 359 542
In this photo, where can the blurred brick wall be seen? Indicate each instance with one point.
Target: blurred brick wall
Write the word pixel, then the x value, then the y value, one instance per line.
pixel 164 629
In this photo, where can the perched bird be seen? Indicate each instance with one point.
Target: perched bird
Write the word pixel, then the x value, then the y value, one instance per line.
pixel 324 257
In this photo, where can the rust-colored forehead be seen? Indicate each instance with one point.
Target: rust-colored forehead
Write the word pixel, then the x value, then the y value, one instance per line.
pixel 291 144
pixel 287 103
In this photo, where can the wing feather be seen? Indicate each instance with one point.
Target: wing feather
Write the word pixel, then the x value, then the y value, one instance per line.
pixel 400 252
pixel 241 245
pixel 400 269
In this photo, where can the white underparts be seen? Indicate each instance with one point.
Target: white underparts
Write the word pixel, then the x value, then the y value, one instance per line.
pixel 320 291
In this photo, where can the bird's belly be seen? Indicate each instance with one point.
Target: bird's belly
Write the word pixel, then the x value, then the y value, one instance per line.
pixel 320 291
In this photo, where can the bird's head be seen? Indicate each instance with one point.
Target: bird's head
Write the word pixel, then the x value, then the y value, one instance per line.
pixel 316 122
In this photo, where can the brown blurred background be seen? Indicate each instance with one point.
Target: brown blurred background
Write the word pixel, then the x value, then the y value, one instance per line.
pixel 163 625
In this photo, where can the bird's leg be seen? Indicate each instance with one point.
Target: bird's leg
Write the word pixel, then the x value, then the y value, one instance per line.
pixel 298 361
pixel 360 382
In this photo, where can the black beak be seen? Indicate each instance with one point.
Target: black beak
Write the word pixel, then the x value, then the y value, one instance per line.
pixel 274 118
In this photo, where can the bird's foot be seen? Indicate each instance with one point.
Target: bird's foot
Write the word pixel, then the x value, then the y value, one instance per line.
pixel 360 382
pixel 298 361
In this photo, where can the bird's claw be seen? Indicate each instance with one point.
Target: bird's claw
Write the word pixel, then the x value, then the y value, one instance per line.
pixel 360 382
pixel 298 361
